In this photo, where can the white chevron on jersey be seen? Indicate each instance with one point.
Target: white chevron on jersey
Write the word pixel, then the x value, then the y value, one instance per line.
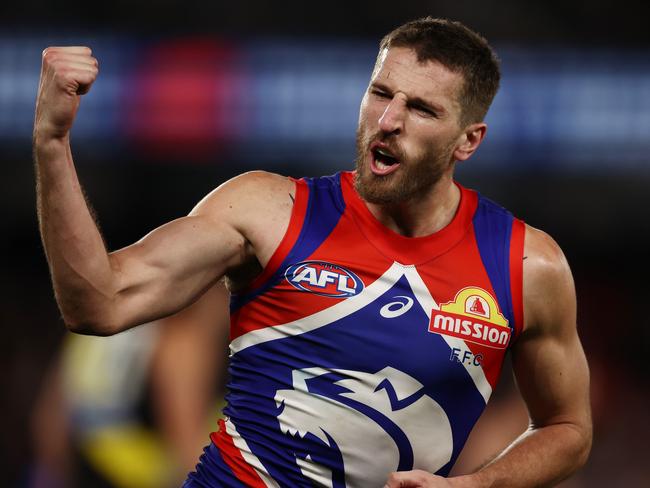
pixel 324 317
pixel 350 305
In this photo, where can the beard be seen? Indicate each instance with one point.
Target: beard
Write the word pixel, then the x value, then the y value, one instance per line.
pixel 414 178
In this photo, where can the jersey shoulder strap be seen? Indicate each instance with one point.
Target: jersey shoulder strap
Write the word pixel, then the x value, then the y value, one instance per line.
pixel 317 208
pixel 500 240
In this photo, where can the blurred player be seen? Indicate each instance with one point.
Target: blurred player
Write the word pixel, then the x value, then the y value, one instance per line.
pixel 131 411
pixel 372 309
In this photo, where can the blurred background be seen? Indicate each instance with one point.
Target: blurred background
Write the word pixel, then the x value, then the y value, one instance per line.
pixel 192 93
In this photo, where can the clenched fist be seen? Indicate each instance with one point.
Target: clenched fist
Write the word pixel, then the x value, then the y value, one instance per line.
pixel 66 73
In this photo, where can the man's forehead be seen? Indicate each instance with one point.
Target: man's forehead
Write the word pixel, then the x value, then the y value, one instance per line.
pixel 399 67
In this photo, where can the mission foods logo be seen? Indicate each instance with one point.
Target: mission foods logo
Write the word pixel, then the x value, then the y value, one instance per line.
pixel 472 316
pixel 323 278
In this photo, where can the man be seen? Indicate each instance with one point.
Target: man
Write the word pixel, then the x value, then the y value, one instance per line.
pixel 371 311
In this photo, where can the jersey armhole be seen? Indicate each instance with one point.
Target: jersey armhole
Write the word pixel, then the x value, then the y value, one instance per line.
pixel 517 273
pixel 288 240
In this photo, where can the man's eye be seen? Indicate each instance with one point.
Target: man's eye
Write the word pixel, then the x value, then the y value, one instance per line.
pixel 426 112
pixel 380 94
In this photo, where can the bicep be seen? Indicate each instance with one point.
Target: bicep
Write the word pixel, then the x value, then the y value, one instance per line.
pixel 553 378
pixel 171 266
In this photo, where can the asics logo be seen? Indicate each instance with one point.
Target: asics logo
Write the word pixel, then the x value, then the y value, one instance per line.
pixel 396 308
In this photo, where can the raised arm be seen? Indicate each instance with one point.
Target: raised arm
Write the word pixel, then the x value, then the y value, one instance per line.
pixel 553 377
pixel 103 293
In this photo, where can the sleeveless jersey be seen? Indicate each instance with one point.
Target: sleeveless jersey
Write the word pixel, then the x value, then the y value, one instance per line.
pixel 359 351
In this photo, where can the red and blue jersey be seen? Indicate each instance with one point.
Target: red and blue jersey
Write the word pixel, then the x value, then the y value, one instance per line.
pixel 358 351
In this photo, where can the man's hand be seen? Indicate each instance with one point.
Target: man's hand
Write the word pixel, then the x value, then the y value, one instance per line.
pixel 423 479
pixel 66 73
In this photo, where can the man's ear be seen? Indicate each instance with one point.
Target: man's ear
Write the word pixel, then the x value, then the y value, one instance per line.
pixel 469 141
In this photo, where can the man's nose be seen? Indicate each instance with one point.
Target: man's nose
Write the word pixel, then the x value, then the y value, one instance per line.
pixel 392 120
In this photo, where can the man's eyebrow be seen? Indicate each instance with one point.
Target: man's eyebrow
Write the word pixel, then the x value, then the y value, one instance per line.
pixel 380 86
pixel 416 102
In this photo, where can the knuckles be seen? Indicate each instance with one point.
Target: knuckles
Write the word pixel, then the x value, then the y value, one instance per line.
pixel 71 64
pixel 53 56
pixel 51 50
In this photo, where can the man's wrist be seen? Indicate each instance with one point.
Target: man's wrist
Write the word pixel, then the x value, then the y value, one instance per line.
pixel 43 134
pixel 45 142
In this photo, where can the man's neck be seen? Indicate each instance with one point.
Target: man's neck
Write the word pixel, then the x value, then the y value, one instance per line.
pixel 422 215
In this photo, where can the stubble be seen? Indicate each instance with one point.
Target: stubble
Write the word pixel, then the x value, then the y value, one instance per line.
pixel 415 177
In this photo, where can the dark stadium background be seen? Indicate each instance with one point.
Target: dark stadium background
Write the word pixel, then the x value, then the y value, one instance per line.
pixel 191 93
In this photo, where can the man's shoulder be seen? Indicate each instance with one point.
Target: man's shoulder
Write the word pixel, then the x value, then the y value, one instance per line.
pixel 542 252
pixel 258 184
pixel 256 191
pixel 548 282
pixel 256 205
pixel 252 203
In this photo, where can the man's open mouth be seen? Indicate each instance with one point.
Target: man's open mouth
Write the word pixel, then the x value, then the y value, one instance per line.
pixel 383 161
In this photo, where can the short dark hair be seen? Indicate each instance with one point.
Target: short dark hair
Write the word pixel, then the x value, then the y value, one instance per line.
pixel 460 50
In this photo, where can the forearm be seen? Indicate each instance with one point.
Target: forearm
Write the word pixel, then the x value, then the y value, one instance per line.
pixel 539 457
pixel 79 264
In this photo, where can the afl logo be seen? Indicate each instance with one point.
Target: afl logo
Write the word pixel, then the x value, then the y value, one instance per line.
pixel 325 279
